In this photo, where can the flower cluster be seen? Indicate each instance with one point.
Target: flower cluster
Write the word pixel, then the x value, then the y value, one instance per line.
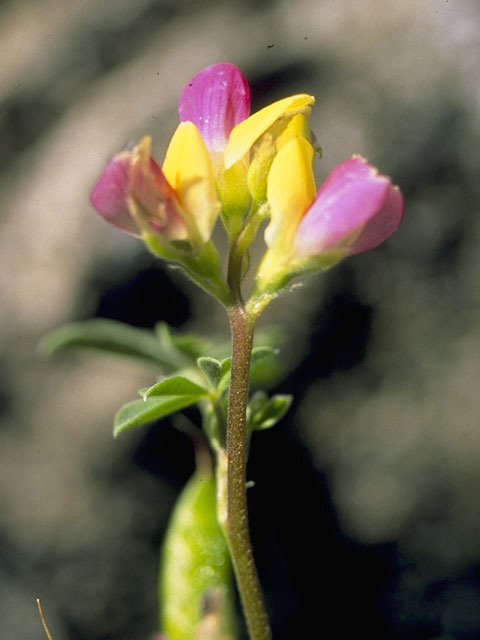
pixel 221 161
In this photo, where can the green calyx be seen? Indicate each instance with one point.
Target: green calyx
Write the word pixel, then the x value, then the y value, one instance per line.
pixel 200 262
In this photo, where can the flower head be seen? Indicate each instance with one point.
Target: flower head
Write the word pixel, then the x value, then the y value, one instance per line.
pixel 206 165
pixel 221 160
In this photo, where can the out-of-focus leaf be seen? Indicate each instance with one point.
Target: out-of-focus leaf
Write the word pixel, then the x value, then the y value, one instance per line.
pixel 266 371
pixel 187 343
pixel 262 352
pixel 114 337
pixel 272 336
pixel 195 565
pixel 264 366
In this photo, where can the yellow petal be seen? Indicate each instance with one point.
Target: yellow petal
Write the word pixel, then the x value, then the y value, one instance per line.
pixel 188 169
pixel 298 126
pixel 246 133
pixel 290 191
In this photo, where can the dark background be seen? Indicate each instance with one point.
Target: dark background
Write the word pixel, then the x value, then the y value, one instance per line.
pixel 365 512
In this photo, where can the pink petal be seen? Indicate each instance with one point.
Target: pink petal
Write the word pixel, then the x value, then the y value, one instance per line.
pixel 384 223
pixel 109 195
pixel 215 100
pixel 354 199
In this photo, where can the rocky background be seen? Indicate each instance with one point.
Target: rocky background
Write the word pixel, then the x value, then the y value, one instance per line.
pixel 366 508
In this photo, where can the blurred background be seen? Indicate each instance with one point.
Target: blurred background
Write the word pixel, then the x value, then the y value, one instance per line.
pixel 366 507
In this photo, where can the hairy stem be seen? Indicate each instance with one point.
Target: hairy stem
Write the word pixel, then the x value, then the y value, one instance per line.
pixel 236 516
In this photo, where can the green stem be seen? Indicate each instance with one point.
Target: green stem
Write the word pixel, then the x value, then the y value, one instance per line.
pixel 236 514
pixel 234 272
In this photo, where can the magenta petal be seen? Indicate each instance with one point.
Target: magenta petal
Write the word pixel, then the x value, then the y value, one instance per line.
pixel 383 223
pixel 109 195
pixel 349 201
pixel 215 100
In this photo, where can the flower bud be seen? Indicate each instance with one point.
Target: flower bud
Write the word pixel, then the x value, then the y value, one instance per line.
pixel 355 209
pixel 133 194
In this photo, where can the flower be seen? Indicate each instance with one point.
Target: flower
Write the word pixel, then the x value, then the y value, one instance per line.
pixel 133 184
pixel 217 101
pixel 354 210
pixel 176 202
pixel 221 160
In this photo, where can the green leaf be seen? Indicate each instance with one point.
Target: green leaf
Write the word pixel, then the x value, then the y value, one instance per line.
pixel 114 337
pixel 262 352
pixel 139 412
pixel 175 386
pixel 226 366
pixel 267 412
pixel 264 367
pixel 212 368
pixel 194 564
pixel 189 344
pixel 267 371
pixel 272 336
